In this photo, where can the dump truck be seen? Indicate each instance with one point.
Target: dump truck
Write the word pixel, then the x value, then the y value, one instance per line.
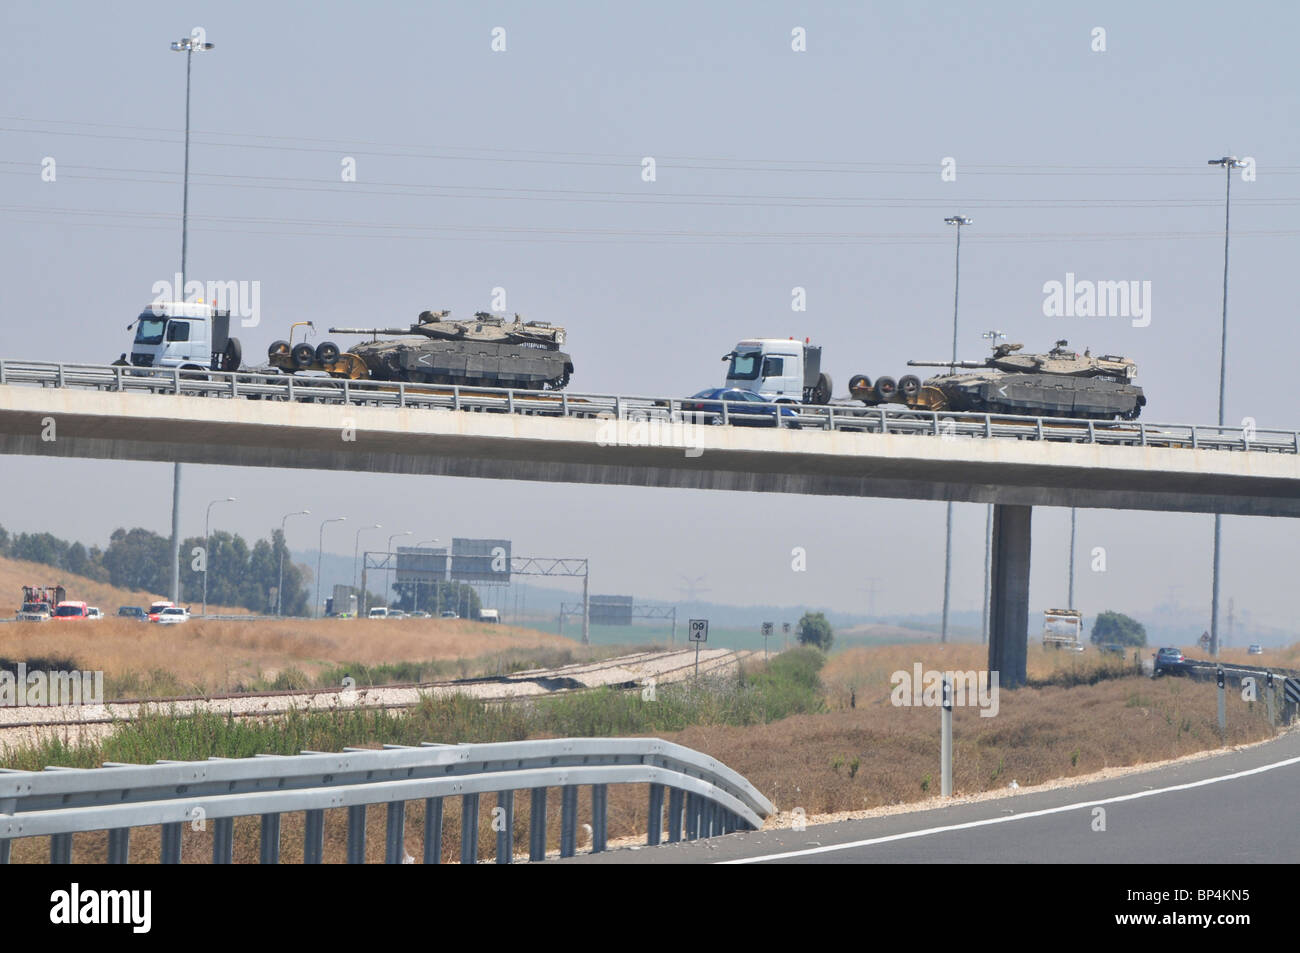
pixel 1063 629
pixel 39 603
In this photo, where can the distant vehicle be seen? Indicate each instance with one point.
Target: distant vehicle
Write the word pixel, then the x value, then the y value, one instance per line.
pixel 173 615
pixel 92 612
pixel 132 612
pixel 448 614
pixel 744 407
pixel 418 615
pixel 378 612
pixel 34 612
pixel 156 608
pixel 489 615
pixel 1063 629
pixel 397 614
pixel 1112 648
pixel 1256 649
pixel 1171 661
pixel 778 369
pixel 66 611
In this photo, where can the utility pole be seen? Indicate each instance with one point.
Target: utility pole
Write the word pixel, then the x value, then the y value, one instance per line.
pixel 284 545
pixel 1074 522
pixel 187 45
pixel 1229 163
pixel 992 336
pixel 958 221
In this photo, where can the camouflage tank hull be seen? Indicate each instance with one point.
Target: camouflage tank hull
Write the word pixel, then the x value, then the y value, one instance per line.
pixel 1040 395
pixel 470 363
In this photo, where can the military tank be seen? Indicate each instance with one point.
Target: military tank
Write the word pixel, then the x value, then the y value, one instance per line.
pixel 483 351
pixel 1057 384
pixel 1060 383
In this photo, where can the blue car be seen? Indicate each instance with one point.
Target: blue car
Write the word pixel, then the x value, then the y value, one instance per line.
pixel 744 408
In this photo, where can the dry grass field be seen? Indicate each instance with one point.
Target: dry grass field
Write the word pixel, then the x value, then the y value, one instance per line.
pixel 210 657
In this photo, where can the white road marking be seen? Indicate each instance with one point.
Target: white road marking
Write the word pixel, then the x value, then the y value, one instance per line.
pixel 1015 817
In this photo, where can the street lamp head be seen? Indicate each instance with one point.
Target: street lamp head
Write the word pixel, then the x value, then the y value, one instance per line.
pixel 1231 162
pixel 187 44
pixel 958 220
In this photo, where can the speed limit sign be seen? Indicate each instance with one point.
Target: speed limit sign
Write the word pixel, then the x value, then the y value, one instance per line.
pixel 699 631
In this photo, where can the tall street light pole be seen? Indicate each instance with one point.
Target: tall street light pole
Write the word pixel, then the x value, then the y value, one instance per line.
pixel 356 549
pixel 388 571
pixel 320 551
pixel 207 546
pixel 958 221
pixel 992 336
pixel 1229 163
pixel 284 544
pixel 189 46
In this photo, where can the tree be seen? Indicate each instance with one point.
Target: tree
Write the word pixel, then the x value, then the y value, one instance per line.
pixel 1115 628
pixel 815 630
pixel 138 560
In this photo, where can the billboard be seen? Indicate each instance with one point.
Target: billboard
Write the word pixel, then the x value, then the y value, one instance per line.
pixel 610 610
pixel 480 560
pixel 421 565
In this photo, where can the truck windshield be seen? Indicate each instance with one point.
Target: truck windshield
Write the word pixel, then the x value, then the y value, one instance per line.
pixel 744 366
pixel 150 330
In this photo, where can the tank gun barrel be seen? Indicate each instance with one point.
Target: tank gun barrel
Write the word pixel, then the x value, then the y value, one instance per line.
pixel 405 330
pixel 971 364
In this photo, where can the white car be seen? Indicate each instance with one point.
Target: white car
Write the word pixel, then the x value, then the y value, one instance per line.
pixel 92 612
pixel 173 615
pixel 378 612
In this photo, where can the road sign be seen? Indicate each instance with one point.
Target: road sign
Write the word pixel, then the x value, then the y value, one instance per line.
pixel 1291 688
pixel 767 629
pixel 1205 640
pixel 699 631
pixel 785 627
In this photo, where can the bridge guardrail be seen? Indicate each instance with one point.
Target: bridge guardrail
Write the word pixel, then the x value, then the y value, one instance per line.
pixel 256 385
pixel 705 798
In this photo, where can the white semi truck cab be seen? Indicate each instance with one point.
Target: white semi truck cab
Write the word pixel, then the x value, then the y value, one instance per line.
pixel 782 370
pixel 185 334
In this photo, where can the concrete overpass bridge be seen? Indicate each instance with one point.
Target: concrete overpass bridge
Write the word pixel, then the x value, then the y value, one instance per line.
pixel 318 423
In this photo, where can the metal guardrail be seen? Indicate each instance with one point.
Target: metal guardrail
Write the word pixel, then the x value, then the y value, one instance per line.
pixel 705 798
pixel 885 419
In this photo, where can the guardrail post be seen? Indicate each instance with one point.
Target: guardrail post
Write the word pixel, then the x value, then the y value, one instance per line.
pixel 433 830
pixel 599 817
pixel 568 820
pixel 395 833
pixel 537 825
pixel 170 850
pixel 119 845
pixel 455 398
pixel 268 850
pixel 988 426
pixel 1038 428
pixel 692 831
pixel 884 425
pixel 655 826
pixel 60 848
pixel 357 834
pixel 313 850
pixel 1142 429
pixel 223 840
pixel 674 815
pixel 506 831
pixel 2 371
pixel 469 829
pixel 4 850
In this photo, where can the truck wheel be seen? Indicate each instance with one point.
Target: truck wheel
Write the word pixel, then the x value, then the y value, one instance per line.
pixel 278 349
pixel 303 355
pixel 909 385
pixel 327 352
pixel 859 384
pixel 232 356
pixel 822 392
pixel 886 388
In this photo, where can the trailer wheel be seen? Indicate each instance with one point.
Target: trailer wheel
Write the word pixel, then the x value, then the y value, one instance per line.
pixel 278 349
pixel 327 352
pixel 886 388
pixel 909 385
pixel 303 355
pixel 859 384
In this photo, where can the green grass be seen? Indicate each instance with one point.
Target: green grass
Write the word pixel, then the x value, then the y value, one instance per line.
pixel 788 685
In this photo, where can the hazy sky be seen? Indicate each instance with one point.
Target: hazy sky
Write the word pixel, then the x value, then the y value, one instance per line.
pixel 775 169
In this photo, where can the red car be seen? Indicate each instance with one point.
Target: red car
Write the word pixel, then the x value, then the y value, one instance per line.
pixel 71 610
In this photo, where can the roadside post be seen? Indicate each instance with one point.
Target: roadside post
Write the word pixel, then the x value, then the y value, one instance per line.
pixel 1223 717
pixel 1268 682
pixel 767 631
pixel 945 743
pixel 699 632
pixel 1291 693
pixel 785 629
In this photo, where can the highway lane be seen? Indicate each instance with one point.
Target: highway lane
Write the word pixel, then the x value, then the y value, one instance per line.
pixel 1240 807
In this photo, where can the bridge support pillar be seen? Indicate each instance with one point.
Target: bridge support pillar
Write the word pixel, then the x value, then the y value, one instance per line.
pixel 1009 598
